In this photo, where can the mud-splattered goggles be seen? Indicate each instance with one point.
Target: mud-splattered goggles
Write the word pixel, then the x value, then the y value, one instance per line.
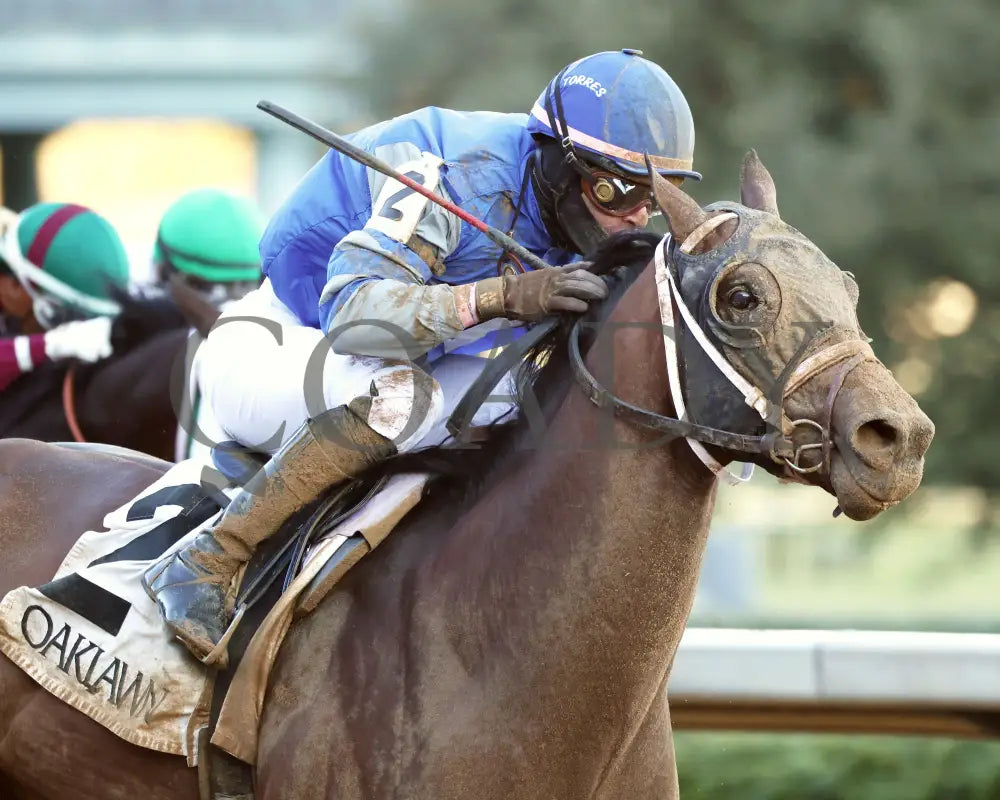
pixel 619 196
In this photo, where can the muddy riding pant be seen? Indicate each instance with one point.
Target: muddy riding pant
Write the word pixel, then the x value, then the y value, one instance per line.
pixel 261 374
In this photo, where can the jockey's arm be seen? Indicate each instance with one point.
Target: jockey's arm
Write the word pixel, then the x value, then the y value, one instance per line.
pixel 20 354
pixel 381 298
pixel 87 340
pixel 386 311
pixel 381 273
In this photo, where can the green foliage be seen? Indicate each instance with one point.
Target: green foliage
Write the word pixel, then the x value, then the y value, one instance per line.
pixel 878 119
pixel 807 767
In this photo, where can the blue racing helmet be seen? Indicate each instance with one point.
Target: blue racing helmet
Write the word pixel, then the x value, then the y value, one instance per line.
pixel 615 107
pixel 595 123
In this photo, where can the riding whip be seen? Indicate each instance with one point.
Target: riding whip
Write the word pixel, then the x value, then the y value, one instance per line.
pixel 341 145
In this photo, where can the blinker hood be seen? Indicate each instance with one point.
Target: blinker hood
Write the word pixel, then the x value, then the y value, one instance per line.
pixel 710 399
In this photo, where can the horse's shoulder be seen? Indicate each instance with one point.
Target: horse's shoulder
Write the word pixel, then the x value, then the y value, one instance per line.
pixel 29 457
pixel 19 455
pixel 32 391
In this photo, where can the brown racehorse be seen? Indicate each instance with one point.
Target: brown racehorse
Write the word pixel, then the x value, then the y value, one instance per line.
pixel 515 637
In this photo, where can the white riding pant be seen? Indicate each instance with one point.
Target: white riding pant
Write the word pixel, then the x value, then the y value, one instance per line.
pixel 261 373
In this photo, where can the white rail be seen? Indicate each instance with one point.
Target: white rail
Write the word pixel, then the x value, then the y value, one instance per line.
pixel 850 681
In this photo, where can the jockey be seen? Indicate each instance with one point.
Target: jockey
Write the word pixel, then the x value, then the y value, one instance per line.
pixel 58 264
pixel 209 238
pixel 389 276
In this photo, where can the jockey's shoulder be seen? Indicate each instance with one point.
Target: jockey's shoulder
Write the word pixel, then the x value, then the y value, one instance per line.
pixel 464 140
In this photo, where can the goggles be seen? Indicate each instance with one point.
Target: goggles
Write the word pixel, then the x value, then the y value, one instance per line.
pixel 619 196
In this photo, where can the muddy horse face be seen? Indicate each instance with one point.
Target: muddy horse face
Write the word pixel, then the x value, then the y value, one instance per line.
pixel 783 316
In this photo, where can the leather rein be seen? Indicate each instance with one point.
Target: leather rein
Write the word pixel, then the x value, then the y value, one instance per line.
pixel 69 407
pixel 778 443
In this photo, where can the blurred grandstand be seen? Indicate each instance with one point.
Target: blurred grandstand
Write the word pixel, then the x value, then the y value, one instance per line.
pixel 125 105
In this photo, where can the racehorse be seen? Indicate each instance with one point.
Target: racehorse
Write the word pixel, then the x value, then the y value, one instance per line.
pixel 124 400
pixel 515 636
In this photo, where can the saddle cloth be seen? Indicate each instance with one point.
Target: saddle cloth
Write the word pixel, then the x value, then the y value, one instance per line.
pixel 94 639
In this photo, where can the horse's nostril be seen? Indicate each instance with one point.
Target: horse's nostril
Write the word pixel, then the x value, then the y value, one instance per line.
pixel 877 434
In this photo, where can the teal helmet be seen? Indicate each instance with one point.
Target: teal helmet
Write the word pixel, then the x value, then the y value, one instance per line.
pixel 210 236
pixel 68 258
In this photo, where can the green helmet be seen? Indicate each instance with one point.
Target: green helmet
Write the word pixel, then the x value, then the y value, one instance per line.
pixel 212 236
pixel 68 258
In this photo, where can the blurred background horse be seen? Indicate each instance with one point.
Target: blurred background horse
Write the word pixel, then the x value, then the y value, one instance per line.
pixel 130 399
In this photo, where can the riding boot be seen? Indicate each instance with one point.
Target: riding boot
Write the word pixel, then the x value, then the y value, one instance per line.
pixel 192 586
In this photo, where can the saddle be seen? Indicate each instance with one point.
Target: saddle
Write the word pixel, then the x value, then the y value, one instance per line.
pixel 269 573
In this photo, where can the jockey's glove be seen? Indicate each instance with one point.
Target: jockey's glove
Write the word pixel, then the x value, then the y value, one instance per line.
pixel 534 295
pixel 87 340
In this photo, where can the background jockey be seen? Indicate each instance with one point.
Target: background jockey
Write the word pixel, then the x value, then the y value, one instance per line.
pixel 209 238
pixel 351 246
pixel 58 265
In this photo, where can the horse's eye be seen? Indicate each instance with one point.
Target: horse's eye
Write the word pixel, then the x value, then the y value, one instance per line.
pixel 741 299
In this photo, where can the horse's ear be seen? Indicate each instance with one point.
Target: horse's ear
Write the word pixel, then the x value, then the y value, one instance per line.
pixel 680 210
pixel 757 186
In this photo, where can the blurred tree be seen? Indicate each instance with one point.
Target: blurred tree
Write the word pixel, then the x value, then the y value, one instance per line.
pixel 878 119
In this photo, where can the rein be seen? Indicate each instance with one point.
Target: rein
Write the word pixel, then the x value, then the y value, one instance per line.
pixel 69 408
pixel 778 444
pixel 773 443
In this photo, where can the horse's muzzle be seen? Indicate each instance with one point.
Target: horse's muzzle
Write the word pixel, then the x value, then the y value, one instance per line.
pixel 881 436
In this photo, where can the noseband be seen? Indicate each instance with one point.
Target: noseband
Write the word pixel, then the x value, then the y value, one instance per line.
pixel 778 443
pixel 847 355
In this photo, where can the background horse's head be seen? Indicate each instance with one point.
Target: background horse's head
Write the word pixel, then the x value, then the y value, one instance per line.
pixel 784 316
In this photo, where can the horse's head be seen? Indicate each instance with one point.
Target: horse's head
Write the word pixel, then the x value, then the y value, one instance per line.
pixel 784 317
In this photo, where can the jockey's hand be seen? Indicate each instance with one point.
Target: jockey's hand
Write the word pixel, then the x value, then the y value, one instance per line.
pixel 87 340
pixel 534 295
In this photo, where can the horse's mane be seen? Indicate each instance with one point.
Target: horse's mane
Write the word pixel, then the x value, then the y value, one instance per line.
pixel 141 318
pixel 460 473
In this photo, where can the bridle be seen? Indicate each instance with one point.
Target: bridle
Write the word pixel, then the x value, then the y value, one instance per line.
pixel 848 355
pixel 778 442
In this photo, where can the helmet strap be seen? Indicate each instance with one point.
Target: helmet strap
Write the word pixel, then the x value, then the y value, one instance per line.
pixel 548 193
pixel 559 126
pixel 560 201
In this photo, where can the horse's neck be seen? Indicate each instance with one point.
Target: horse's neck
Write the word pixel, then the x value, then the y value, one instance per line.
pixel 26 404
pixel 588 555
pixel 126 399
